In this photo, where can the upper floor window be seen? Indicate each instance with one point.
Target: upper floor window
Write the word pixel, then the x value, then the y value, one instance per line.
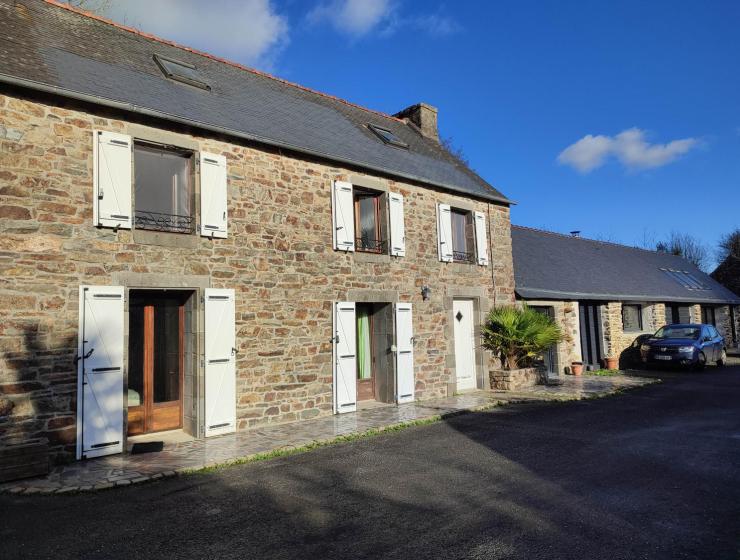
pixel 163 193
pixel 367 221
pixel 631 318
pixel 463 249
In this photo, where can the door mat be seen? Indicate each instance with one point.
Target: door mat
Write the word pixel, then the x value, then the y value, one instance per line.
pixel 147 447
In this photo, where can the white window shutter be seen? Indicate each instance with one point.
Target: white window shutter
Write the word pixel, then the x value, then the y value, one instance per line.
pixel 398 229
pixel 213 196
pixel 481 238
pixel 343 211
pixel 345 357
pixel 220 362
pixel 100 371
pixel 444 232
pixel 112 179
pixel 404 353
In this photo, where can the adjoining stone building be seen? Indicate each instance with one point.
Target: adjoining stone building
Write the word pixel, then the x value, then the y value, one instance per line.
pixel 605 295
pixel 189 244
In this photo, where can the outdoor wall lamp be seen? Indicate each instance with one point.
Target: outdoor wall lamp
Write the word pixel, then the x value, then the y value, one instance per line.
pixel 426 292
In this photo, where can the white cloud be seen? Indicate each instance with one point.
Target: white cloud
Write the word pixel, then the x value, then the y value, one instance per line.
pixel 357 18
pixel 246 31
pixel 352 17
pixel 629 147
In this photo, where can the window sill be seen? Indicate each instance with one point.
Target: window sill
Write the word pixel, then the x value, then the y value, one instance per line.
pixel 165 239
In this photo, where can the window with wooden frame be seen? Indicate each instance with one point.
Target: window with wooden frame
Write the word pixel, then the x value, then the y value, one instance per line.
pixel 463 236
pixel 631 318
pixel 369 230
pixel 163 188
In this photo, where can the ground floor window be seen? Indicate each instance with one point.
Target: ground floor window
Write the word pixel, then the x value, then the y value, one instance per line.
pixel 708 316
pixel 632 317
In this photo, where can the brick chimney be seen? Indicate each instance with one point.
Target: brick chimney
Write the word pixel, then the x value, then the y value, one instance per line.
pixel 424 116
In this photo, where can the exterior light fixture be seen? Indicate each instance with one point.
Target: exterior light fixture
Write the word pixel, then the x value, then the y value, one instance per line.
pixel 426 293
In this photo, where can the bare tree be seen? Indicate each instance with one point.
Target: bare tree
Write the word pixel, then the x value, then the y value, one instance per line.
pixel 729 245
pixel 686 246
pixel 449 144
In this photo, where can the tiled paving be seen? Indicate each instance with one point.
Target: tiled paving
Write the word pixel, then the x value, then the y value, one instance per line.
pixel 182 456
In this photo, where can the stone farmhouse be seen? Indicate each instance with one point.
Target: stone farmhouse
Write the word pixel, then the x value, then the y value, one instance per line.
pixel 188 244
pixel 605 295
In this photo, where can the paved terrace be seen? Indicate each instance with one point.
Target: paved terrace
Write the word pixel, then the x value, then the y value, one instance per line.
pixel 183 456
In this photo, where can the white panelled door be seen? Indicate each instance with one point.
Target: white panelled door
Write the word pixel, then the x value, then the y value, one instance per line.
pixel 213 196
pixel 111 179
pixel 404 353
pixel 220 362
pixel 100 371
pixel 464 332
pixel 345 357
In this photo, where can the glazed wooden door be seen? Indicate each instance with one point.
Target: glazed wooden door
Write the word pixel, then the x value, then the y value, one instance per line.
pixel 156 360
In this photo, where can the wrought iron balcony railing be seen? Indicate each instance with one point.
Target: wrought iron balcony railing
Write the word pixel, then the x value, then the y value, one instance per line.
pixel 370 245
pixel 163 222
pixel 461 256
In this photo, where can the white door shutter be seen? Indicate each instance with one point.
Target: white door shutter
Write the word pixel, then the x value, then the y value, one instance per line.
pixel 213 195
pixel 444 232
pixel 100 372
pixel 481 238
pixel 345 357
pixel 404 353
pixel 220 361
pixel 111 179
pixel 343 210
pixel 398 230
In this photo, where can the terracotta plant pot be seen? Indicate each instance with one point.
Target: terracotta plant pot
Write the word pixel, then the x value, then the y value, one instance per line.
pixel 576 368
pixel 610 363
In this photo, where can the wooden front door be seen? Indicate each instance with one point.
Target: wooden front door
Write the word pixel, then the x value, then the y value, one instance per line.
pixel 156 362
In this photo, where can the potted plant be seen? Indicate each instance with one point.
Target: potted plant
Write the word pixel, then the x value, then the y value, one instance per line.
pixel 516 335
pixel 576 368
pixel 610 362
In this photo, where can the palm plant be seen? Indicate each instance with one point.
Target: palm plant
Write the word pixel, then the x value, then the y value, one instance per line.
pixel 515 334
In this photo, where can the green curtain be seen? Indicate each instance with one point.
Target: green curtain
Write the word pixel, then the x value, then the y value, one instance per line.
pixel 363 344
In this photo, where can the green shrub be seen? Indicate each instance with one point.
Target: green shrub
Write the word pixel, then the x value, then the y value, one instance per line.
pixel 518 334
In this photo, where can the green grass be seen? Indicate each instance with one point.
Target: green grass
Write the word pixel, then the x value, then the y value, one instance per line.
pixel 605 372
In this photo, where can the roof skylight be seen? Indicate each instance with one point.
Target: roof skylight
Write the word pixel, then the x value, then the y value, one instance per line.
pixel 685 278
pixel 180 71
pixel 387 136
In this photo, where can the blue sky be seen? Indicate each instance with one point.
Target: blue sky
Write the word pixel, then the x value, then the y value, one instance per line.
pixel 619 119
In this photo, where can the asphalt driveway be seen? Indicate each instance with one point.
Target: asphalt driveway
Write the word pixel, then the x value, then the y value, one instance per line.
pixel 654 473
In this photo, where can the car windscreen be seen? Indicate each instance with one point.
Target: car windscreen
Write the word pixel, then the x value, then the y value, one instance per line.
pixel 678 332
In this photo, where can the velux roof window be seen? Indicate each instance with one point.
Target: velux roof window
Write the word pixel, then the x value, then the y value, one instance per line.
pixel 387 136
pixel 180 71
pixel 685 279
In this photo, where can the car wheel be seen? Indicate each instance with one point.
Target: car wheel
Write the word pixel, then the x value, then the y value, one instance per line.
pixel 723 358
pixel 701 362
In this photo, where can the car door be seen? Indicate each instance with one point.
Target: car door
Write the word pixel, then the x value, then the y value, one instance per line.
pixel 707 344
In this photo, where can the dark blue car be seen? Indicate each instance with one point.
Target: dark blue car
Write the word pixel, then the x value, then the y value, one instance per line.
pixel 692 345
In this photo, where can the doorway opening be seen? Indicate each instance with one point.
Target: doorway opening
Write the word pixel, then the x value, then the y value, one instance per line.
pixel 375 380
pixel 157 358
pixel 548 356
pixel 591 337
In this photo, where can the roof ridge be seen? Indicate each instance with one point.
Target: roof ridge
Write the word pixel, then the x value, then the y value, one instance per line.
pixel 84 13
pixel 612 243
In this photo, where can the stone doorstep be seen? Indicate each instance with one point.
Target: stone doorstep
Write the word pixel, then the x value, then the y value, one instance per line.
pixel 87 482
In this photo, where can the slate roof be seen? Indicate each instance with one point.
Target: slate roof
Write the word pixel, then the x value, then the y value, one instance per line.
pixel 56 49
pixel 550 265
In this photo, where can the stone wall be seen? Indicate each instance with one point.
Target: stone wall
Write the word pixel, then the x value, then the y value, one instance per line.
pixel 278 257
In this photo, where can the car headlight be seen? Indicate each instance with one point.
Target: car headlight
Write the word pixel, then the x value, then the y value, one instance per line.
pixel 645 347
pixel 685 348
